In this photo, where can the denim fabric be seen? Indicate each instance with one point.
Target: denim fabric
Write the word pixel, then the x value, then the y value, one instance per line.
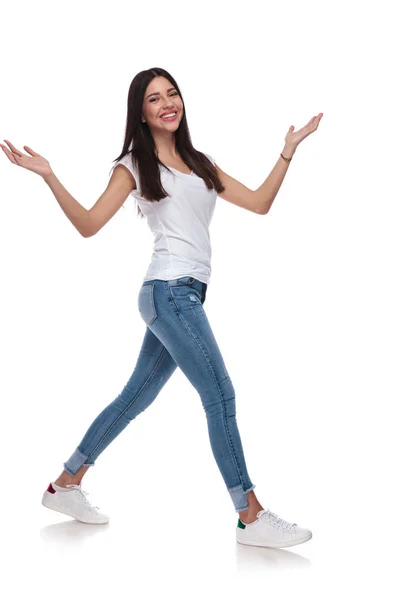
pixel 178 333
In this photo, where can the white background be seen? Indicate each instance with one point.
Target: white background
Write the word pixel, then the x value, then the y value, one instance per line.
pixel 303 301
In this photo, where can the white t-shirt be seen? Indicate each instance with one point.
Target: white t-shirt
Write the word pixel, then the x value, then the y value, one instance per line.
pixel 179 222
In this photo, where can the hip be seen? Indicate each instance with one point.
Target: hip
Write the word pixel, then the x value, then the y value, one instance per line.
pixel 179 295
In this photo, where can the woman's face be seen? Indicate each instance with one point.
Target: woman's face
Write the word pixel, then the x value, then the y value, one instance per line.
pixel 161 98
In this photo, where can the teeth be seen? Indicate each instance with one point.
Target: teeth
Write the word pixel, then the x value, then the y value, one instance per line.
pixel 167 116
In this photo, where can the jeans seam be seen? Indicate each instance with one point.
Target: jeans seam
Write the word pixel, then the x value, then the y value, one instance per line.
pixel 152 304
pixel 170 297
pixel 148 380
pixel 221 396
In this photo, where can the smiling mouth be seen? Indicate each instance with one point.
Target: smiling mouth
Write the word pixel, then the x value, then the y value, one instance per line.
pixel 172 115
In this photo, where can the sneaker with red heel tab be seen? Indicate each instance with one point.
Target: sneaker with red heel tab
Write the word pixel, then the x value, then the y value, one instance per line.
pixel 270 531
pixel 72 501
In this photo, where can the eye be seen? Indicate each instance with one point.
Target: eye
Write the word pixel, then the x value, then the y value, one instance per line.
pixel 173 94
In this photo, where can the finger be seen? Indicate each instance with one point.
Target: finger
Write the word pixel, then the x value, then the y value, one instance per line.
pixel 317 120
pixel 18 159
pixel 30 151
pixel 9 154
pixel 312 124
pixel 13 148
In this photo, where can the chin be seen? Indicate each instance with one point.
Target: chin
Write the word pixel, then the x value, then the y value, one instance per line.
pixel 173 126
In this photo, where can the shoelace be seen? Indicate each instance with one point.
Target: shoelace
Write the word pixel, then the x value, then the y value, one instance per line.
pixel 83 494
pixel 276 521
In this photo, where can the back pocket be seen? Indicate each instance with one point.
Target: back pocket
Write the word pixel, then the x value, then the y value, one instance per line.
pixel 146 303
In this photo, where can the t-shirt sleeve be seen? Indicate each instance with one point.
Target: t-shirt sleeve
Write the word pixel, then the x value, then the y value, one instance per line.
pixel 126 161
pixel 211 158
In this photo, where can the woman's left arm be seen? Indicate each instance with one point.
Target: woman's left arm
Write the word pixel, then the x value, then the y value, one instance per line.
pixel 265 194
pixel 259 201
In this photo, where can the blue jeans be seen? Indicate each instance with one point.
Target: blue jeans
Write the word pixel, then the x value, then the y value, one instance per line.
pixel 178 333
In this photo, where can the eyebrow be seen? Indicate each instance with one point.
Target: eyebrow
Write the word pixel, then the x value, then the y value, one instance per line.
pixel 158 93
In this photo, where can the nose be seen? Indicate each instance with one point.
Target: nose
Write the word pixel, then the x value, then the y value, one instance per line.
pixel 168 103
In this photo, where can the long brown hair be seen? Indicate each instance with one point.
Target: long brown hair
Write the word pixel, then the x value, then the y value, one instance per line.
pixel 139 142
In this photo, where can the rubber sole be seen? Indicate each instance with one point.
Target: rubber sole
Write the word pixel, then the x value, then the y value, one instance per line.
pixel 65 512
pixel 274 544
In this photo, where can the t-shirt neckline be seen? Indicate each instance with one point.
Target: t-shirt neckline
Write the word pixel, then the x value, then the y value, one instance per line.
pixel 180 172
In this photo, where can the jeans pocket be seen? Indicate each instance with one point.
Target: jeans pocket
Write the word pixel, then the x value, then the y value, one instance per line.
pixel 146 304
pixel 186 280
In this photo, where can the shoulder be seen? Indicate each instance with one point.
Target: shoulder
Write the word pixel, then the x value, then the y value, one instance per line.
pixel 210 158
pixel 129 164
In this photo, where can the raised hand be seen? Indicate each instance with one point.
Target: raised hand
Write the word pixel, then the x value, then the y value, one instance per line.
pixel 35 162
pixel 293 138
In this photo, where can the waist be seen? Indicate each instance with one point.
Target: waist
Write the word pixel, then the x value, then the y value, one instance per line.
pixel 198 285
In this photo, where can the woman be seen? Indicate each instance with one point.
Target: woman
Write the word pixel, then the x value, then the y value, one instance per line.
pixel 175 188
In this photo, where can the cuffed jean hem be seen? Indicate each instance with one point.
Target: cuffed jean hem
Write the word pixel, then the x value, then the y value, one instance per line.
pixel 76 461
pixel 239 497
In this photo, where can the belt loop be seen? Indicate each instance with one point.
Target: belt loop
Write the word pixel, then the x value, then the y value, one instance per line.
pixel 203 292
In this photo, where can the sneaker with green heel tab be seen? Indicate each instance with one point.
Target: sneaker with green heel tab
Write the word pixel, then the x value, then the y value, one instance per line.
pixel 270 531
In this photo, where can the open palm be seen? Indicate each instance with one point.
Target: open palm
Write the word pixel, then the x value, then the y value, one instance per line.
pixel 293 138
pixel 35 162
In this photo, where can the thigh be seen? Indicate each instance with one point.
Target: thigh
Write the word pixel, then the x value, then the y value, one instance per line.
pixel 154 366
pixel 176 315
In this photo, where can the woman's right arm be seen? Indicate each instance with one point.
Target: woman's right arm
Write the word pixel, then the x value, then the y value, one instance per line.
pixel 76 213
pixel 87 222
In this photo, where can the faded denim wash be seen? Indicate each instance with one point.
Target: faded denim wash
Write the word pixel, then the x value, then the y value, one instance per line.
pixel 178 333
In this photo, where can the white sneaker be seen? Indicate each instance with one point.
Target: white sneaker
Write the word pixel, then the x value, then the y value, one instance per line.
pixel 271 531
pixel 73 502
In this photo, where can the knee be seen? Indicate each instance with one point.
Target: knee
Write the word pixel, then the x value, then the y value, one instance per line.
pixel 222 401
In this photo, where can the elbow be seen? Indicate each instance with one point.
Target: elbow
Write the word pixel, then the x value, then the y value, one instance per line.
pixel 88 230
pixel 261 208
pixel 87 234
pixel 262 211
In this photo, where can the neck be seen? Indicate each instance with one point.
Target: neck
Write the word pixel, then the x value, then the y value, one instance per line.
pixel 165 144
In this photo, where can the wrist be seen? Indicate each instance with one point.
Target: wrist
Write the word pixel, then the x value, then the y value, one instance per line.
pixel 288 150
pixel 48 176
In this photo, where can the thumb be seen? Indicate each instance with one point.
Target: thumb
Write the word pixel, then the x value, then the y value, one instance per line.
pixel 291 129
pixel 30 151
